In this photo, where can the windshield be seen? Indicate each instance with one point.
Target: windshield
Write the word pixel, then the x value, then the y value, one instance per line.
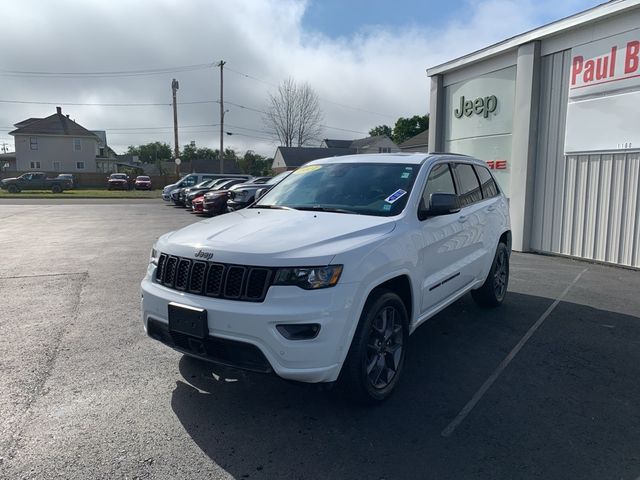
pixel 206 183
pixel 278 178
pixel 380 189
pixel 118 176
pixel 143 179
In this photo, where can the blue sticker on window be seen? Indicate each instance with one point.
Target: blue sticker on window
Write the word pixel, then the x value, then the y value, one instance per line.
pixel 386 207
pixel 395 196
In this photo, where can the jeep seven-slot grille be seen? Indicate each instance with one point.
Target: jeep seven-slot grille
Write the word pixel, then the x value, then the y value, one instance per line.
pixel 233 282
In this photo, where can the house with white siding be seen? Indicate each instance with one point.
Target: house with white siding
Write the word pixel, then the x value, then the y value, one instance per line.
pixel 54 144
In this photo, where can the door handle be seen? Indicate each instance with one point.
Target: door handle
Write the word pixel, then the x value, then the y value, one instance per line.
pixel 491 208
pixel 462 218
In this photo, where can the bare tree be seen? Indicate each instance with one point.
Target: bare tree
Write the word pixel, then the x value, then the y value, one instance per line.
pixel 294 115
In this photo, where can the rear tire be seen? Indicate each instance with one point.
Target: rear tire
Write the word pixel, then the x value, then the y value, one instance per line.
pixel 376 357
pixel 494 288
pixel 13 189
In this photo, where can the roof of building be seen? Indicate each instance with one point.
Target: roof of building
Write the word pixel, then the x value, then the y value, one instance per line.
pixel 599 12
pixel 363 142
pixel 56 124
pixel 296 156
pixel 26 122
pixel 416 141
pixel 333 143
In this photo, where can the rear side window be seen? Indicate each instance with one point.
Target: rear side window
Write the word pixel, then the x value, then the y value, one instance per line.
pixel 468 184
pixel 487 183
pixel 440 181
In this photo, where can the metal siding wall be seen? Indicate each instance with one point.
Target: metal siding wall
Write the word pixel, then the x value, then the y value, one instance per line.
pixel 585 205
pixel 549 206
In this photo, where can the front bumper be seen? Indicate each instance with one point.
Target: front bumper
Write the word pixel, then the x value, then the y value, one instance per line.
pixel 254 325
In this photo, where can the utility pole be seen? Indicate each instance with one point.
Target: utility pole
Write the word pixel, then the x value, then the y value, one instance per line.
pixel 174 89
pixel 221 65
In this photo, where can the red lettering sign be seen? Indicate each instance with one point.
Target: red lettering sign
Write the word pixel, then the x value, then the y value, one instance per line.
pixel 631 57
pixel 497 164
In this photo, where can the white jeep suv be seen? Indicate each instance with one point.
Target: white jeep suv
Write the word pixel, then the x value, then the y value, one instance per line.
pixel 326 276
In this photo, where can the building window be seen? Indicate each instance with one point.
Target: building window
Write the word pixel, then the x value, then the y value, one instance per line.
pixel 77 146
pixel 384 149
pixel 35 165
pixel 33 142
pixel 80 165
pixel 101 152
pixel 56 166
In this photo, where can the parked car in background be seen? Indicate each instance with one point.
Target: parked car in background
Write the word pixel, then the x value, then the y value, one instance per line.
pixel 185 195
pixel 35 181
pixel 118 181
pixel 193 179
pixel 67 176
pixel 244 194
pixel 142 182
pixel 215 201
pixel 197 204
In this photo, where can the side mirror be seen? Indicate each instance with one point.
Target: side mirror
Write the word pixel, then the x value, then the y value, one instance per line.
pixel 260 192
pixel 439 204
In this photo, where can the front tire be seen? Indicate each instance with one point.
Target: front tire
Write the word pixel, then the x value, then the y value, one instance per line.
pixel 13 189
pixel 494 288
pixel 376 357
pixel 56 189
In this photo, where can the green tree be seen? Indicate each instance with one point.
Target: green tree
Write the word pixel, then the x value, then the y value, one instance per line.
pixel 381 130
pixel 254 164
pixel 405 128
pixel 151 152
pixel 190 152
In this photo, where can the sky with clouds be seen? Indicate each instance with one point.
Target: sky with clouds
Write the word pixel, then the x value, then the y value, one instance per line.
pixel 366 59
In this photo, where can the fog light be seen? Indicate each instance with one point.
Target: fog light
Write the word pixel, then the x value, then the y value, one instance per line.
pixel 297 331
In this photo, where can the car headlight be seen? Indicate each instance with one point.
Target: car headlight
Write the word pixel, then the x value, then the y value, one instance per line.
pixel 240 194
pixel 153 258
pixel 309 278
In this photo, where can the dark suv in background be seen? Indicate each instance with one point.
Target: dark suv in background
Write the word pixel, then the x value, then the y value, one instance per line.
pixel 244 194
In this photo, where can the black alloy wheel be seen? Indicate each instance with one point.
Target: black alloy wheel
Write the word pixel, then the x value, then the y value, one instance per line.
pixel 384 348
pixel 494 289
pixel 375 360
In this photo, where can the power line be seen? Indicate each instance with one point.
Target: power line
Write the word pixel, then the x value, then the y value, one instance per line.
pixel 117 73
pixel 90 104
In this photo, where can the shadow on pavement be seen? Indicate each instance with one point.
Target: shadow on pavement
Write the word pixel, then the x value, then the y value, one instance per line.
pixel 566 407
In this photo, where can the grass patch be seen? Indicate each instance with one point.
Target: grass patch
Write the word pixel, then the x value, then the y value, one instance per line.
pixel 84 193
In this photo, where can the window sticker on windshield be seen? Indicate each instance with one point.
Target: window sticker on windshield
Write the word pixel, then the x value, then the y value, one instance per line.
pixel 409 168
pixel 309 168
pixel 405 175
pixel 387 207
pixel 395 196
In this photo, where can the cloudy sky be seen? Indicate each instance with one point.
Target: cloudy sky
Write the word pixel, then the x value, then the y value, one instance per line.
pixel 109 64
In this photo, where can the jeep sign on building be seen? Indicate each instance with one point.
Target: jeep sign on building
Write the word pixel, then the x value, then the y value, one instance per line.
pixel 555 113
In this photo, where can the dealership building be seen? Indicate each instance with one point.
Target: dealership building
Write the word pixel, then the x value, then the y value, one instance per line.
pixel 555 112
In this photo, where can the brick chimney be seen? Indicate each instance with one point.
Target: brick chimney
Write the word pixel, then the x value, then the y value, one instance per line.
pixel 59 110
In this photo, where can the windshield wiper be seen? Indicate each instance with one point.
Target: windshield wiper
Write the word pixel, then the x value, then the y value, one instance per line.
pixel 320 208
pixel 274 207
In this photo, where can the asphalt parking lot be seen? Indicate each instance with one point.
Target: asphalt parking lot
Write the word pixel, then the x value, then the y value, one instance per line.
pixel 544 387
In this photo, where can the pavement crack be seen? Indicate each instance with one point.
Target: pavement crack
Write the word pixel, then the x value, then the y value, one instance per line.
pixel 85 273
pixel 39 387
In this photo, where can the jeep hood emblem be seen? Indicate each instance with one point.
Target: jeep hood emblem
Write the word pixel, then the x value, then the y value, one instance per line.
pixel 203 254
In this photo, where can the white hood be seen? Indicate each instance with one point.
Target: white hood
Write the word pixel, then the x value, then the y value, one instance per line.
pixel 265 237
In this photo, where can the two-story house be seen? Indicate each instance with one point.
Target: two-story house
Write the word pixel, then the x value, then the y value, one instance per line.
pixel 54 144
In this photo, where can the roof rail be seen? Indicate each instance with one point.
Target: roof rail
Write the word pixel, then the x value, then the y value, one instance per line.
pixel 450 153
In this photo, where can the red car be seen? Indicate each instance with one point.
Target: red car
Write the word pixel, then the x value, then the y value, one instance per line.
pixel 142 183
pixel 197 204
pixel 118 181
